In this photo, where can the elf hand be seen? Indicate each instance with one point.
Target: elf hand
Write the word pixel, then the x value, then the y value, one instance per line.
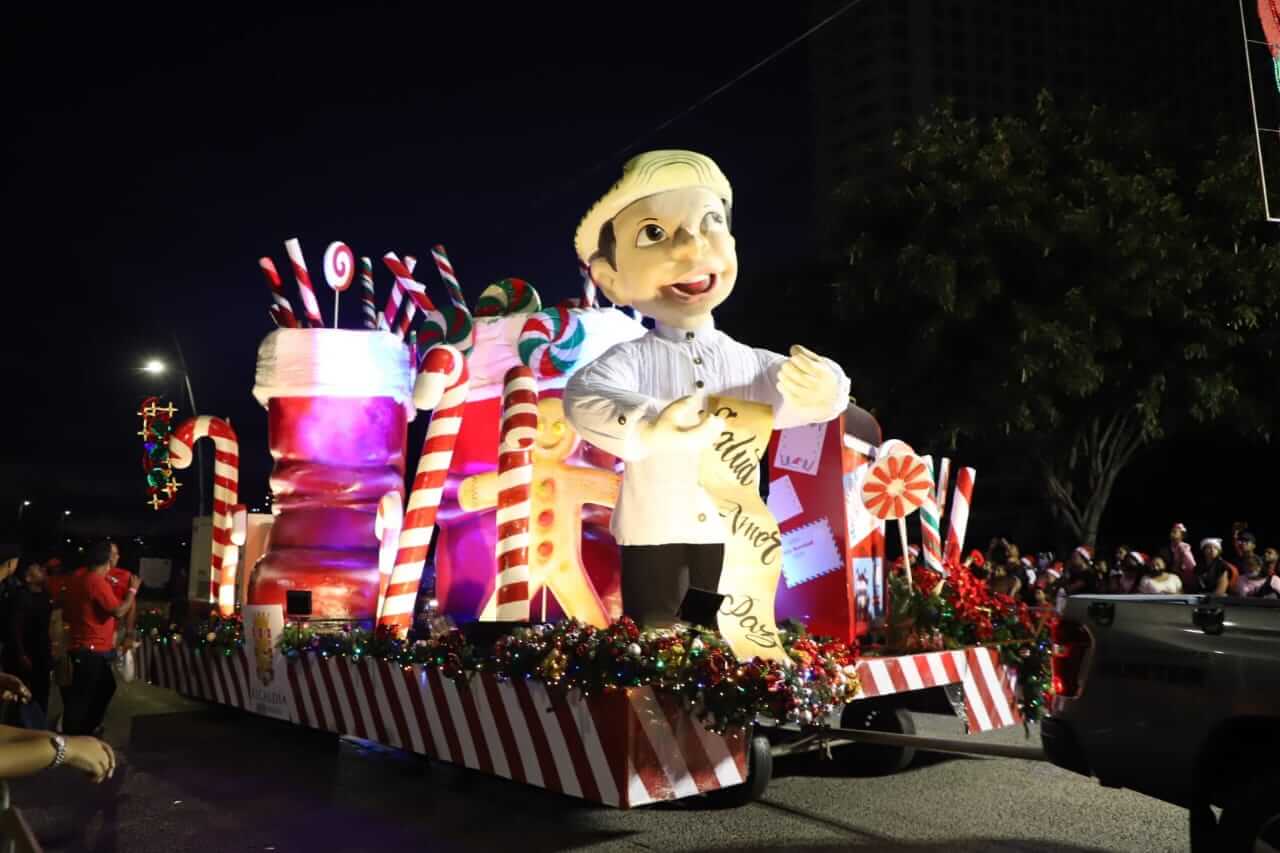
pixel 683 426
pixel 807 383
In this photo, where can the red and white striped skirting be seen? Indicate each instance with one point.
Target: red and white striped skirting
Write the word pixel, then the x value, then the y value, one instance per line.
pixel 624 749
pixel 990 688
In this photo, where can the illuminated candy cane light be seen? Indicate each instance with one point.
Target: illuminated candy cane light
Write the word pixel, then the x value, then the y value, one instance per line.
pixel 226 485
pixel 515 476
pixel 442 387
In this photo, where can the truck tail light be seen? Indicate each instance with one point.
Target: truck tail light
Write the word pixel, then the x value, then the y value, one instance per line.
pixel 1070 646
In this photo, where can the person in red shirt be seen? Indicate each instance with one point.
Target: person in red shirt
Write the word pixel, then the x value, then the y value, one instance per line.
pixel 120 580
pixel 90 608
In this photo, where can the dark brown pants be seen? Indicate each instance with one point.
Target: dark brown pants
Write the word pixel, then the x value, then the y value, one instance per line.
pixel 655 579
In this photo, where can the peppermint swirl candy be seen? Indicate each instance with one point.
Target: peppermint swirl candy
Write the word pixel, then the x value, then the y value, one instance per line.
pixel 339 266
pixel 551 341
pixel 449 325
pixel 508 296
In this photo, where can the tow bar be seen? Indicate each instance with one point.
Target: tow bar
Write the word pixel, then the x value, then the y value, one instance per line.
pixel 817 737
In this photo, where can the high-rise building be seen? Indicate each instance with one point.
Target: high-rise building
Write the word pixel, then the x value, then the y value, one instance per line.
pixel 885 62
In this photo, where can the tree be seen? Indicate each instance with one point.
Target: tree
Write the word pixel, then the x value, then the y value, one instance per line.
pixel 1072 285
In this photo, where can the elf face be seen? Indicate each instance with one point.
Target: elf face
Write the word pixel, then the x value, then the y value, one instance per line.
pixel 674 257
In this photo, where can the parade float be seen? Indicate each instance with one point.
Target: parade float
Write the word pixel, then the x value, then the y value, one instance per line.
pixel 476 617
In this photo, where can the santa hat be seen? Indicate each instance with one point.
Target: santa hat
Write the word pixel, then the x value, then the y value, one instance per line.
pixel 1213 540
pixel 1054 569
pixel 1028 562
pixel 1180 527
pixel 1139 557
pixel 1084 551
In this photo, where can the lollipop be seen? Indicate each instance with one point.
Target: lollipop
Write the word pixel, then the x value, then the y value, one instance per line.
pixel 551 341
pixel 895 487
pixel 508 296
pixel 339 270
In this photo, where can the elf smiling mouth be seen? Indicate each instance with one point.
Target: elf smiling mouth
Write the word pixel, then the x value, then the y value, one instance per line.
pixel 695 285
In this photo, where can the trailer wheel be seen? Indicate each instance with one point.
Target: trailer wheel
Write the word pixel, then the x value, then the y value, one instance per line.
pixel 877 716
pixel 759 774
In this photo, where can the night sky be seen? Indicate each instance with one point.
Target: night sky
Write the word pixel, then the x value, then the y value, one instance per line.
pixel 152 160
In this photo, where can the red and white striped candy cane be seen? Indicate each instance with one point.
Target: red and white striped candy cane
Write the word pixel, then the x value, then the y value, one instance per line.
pixel 443 384
pixel 515 475
pixel 281 310
pixel 960 503
pixel 226 485
pixel 305 290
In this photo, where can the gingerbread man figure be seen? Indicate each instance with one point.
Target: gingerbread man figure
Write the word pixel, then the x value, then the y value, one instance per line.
pixel 555 534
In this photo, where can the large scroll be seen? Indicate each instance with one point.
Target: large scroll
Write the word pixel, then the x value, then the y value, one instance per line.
pixel 730 472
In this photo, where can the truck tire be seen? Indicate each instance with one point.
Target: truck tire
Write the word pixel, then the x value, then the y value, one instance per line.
pixel 759 774
pixel 1252 820
pixel 878 716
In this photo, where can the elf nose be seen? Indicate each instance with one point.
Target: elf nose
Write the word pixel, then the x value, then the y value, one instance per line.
pixel 687 244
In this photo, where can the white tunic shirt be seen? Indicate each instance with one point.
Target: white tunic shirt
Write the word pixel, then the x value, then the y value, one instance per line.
pixel 661 501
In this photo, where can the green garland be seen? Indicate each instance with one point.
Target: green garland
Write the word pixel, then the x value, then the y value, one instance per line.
pixel 960 611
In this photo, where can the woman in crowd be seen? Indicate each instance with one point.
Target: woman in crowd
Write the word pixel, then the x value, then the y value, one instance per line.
pixel 1159 580
pixel 1214 575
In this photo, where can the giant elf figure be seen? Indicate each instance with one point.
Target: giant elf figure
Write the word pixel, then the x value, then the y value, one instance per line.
pixel 660 241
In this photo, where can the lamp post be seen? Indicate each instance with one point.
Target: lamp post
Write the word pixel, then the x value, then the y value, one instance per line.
pixel 22 507
pixel 156 367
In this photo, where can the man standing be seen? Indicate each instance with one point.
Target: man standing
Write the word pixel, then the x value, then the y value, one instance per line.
pixel 90 609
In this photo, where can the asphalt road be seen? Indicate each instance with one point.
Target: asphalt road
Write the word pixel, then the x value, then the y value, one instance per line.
pixel 194 777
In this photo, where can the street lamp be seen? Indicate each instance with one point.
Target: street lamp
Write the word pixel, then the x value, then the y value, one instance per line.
pixel 156 367
pixel 22 507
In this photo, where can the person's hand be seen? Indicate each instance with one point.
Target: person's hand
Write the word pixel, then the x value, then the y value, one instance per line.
pixel 682 426
pixel 12 689
pixel 135 581
pixel 127 644
pixel 7 568
pixel 806 382
pixel 91 756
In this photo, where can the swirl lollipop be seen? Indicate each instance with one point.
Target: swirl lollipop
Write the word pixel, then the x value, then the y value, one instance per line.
pixel 896 486
pixel 508 296
pixel 339 270
pixel 551 341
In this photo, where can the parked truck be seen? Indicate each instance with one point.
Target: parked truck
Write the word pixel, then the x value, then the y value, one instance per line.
pixel 1176 697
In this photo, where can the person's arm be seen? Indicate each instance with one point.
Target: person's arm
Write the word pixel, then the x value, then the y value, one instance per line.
pixel 811 390
pixel 24 752
pixel 105 598
pixel 1223 582
pixel 602 402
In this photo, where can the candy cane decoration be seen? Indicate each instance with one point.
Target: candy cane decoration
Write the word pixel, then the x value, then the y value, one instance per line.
pixel 930 526
pixel 366 294
pixel 442 386
pixel 940 493
pixel 434 331
pixel 460 329
pixel 305 290
pixel 386 526
pixel 226 485
pixel 281 310
pixel 339 269
pixel 588 286
pixel 960 503
pixel 515 474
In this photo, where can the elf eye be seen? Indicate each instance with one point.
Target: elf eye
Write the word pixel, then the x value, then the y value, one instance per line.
pixel 713 221
pixel 649 235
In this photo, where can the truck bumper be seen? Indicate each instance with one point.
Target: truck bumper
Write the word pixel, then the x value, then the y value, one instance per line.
pixel 1061 746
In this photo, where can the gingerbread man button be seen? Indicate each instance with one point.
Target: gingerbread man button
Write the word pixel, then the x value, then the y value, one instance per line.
pixel 555 536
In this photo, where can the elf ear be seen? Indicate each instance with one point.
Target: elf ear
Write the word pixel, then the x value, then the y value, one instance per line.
pixel 606 278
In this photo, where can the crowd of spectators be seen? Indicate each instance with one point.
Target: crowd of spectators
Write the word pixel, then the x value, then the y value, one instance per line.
pixel 1238 569
pixel 68 628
